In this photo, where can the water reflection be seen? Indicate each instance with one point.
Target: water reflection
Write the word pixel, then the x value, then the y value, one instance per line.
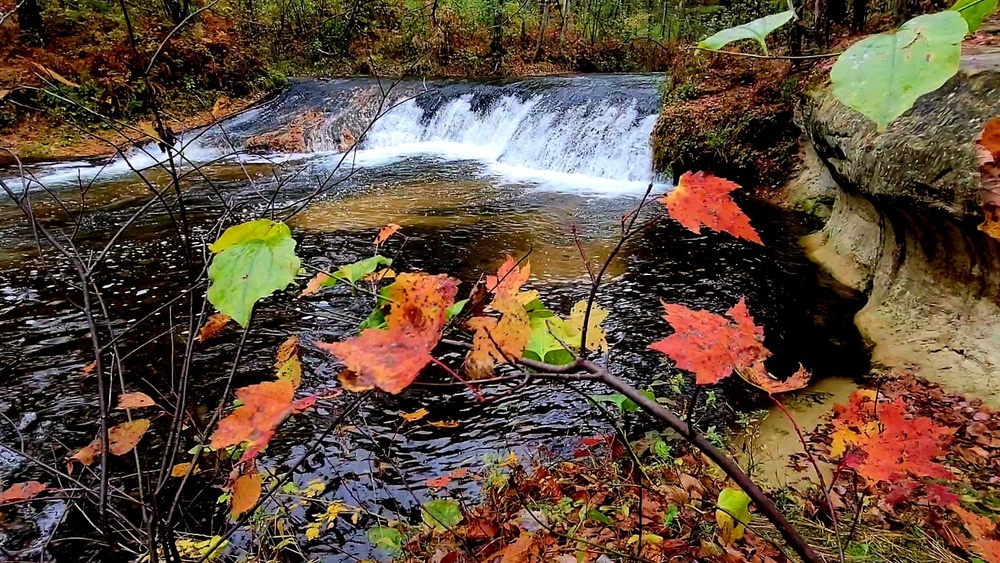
pixel 456 221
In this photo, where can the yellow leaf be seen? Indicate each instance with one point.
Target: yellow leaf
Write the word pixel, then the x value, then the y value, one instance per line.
pixel 288 350
pixel 443 423
pixel 246 491
pixel 180 470
pixel 292 371
pixel 597 340
pixel 335 509
pixel 312 531
pixel 415 415
pixel 841 440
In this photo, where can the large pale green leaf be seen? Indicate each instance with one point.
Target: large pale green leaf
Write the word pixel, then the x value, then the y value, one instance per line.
pixel 975 11
pixel 252 261
pixel 757 29
pixel 732 502
pixel 882 76
pixel 441 514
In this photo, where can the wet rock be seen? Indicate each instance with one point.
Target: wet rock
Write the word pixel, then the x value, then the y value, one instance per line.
pixel 903 229
pixel 291 138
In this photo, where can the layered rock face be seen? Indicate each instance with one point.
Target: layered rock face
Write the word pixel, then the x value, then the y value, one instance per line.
pixel 902 228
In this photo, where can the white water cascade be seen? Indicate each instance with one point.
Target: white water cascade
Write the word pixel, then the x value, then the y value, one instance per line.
pixel 568 133
pixel 598 138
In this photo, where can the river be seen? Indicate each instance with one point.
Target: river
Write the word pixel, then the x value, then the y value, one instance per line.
pixel 471 170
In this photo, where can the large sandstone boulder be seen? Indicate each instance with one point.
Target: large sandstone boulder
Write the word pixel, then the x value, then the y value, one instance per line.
pixel 903 228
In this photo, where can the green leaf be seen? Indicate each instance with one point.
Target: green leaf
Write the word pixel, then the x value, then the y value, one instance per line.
pixel 882 75
pixel 757 29
pixel 599 517
pixel 441 514
pixel 975 11
pixel 352 273
pixel 252 261
pixel 732 502
pixel 670 515
pixel 624 403
pixel 374 320
pixel 389 539
pixel 455 310
pixel 543 342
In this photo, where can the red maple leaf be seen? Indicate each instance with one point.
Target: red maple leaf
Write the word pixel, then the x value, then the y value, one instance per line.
pixel 509 278
pixel 391 358
pixel 702 199
pixel 264 406
pixel 893 446
pixel 712 346
pixel 983 533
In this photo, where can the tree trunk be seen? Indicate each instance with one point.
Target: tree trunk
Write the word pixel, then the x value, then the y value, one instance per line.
pixel 541 31
pixel 859 15
pixel 29 19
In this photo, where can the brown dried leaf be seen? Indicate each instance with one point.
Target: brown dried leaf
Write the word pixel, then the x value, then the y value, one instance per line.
pixel 213 326
pixel 135 400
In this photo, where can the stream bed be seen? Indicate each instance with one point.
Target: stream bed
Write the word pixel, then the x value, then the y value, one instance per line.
pixel 471 171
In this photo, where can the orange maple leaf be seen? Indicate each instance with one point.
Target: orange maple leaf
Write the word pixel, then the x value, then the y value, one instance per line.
pixel 264 406
pixel 21 491
pixel 509 278
pixel 498 341
pixel 893 445
pixel 388 359
pixel 712 346
pixel 702 199
pixel 213 326
pixel 391 358
pixel 983 532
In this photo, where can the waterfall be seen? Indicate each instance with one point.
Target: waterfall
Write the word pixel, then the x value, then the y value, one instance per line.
pixel 581 129
pixel 597 138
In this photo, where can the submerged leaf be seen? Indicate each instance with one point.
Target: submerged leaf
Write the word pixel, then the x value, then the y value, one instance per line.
pixel 21 491
pixel 389 539
pixel 441 514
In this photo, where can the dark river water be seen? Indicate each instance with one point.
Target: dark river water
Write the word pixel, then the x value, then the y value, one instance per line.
pixel 472 172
